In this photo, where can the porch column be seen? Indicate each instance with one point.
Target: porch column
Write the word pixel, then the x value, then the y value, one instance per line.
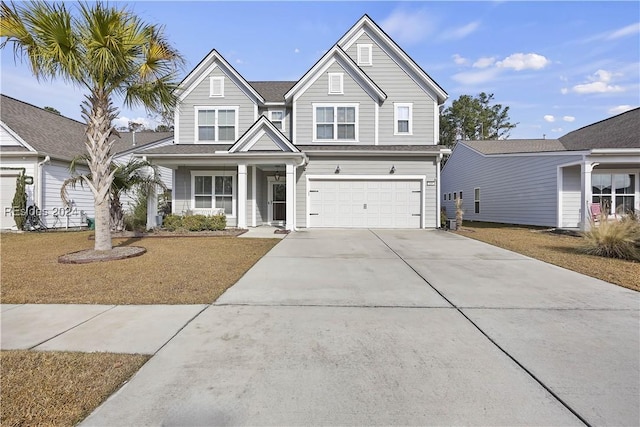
pixel 242 196
pixel 291 208
pixel 585 194
pixel 152 208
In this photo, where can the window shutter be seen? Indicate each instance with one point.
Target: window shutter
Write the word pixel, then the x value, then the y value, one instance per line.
pixel 216 86
pixel 335 83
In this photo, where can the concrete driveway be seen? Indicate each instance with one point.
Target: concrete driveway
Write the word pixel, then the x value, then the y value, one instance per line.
pixel 360 327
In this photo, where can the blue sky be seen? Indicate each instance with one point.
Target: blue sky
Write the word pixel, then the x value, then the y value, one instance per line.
pixel 557 65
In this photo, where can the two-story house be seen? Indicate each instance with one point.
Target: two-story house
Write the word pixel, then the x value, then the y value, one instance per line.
pixel 353 143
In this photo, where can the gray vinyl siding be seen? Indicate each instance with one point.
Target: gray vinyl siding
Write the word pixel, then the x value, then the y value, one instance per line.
pixel 55 173
pixel 367 166
pixel 265 143
pixel 513 189
pixel 199 96
pixel 318 93
pixel 399 87
pixel 571 197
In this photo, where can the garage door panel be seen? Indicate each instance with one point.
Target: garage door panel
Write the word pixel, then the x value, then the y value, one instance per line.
pixel 380 203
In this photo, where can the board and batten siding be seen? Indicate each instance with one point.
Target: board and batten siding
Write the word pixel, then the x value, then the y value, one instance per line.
pixel 317 93
pixel 82 203
pixel 367 166
pixel 514 189
pixel 199 96
pixel 399 87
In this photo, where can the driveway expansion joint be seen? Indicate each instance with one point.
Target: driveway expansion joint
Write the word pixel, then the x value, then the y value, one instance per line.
pixel 486 335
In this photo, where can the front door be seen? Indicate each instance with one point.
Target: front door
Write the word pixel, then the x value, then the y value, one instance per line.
pixel 278 202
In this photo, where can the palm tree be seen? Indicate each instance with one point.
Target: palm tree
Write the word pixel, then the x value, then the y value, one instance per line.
pixel 108 52
pixel 136 174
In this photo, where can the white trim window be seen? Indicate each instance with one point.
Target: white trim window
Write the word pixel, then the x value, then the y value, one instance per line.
pixel 476 200
pixel 403 118
pixel 615 191
pixel 336 83
pixel 216 124
pixel 277 118
pixel 211 190
pixel 364 54
pixel 335 122
pixel 216 87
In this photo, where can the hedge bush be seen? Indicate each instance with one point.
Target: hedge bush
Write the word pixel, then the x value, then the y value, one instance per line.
pixel 194 222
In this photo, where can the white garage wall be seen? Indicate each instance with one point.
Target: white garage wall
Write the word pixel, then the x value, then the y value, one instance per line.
pixel 10 171
pixel 55 173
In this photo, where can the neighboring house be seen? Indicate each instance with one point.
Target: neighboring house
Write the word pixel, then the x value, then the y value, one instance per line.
pixel 548 182
pixel 42 144
pixel 353 143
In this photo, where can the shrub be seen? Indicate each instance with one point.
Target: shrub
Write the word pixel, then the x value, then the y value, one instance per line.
pixel 613 239
pixel 19 203
pixel 216 222
pixel 172 222
pixel 194 222
pixel 443 217
pixel 136 218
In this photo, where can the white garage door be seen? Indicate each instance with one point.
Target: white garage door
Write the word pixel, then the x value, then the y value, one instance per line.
pixel 7 190
pixel 365 204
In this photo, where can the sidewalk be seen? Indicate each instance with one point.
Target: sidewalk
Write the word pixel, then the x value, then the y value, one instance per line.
pixel 140 329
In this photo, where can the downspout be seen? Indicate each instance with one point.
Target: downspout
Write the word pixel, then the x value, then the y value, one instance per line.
pixel 39 199
pixel 438 164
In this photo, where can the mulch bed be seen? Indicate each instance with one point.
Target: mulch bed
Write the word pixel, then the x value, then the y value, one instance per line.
pixel 90 255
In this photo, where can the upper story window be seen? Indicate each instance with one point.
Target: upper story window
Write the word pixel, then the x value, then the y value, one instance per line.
pixel 335 122
pixel 277 118
pixel 403 118
pixel 364 54
pixel 216 87
pixel 336 83
pixel 215 124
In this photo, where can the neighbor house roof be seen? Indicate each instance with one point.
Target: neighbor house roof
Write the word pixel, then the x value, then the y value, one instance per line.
pixel 272 91
pixel 56 135
pixel 512 146
pixel 621 131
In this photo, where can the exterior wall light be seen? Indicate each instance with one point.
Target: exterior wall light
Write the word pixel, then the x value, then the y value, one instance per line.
pixel 393 169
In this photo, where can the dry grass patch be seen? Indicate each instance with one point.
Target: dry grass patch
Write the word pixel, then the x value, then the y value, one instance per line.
pixel 561 250
pixel 181 270
pixel 54 388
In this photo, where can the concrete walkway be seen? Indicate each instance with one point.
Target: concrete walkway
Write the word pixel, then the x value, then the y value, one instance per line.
pixel 386 327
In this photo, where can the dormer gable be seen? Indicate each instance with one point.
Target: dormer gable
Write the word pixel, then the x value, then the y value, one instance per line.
pixel 366 25
pixel 203 71
pixel 263 136
pixel 336 55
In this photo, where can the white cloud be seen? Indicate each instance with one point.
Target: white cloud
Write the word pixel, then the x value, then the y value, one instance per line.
pixel 557 130
pixel 568 118
pixel 484 62
pixel 296 50
pixel 598 83
pixel 239 61
pixel 459 59
pixel 524 61
pixel 564 91
pixel 460 32
pixel 549 118
pixel 629 30
pixel 620 109
pixel 564 79
pixel 476 77
pixel 408 27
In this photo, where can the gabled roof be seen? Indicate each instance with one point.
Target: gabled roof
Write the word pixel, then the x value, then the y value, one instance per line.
pixel 58 136
pixel 336 54
pixel 621 131
pixel 263 127
pixel 209 63
pixel 143 141
pixel 366 24
pixel 273 91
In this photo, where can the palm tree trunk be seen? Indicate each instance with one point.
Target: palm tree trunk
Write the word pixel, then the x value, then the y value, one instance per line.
pixel 99 114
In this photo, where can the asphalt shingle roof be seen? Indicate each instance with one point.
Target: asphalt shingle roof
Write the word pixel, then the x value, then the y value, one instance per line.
pixel 272 91
pixel 511 146
pixel 621 131
pixel 56 135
